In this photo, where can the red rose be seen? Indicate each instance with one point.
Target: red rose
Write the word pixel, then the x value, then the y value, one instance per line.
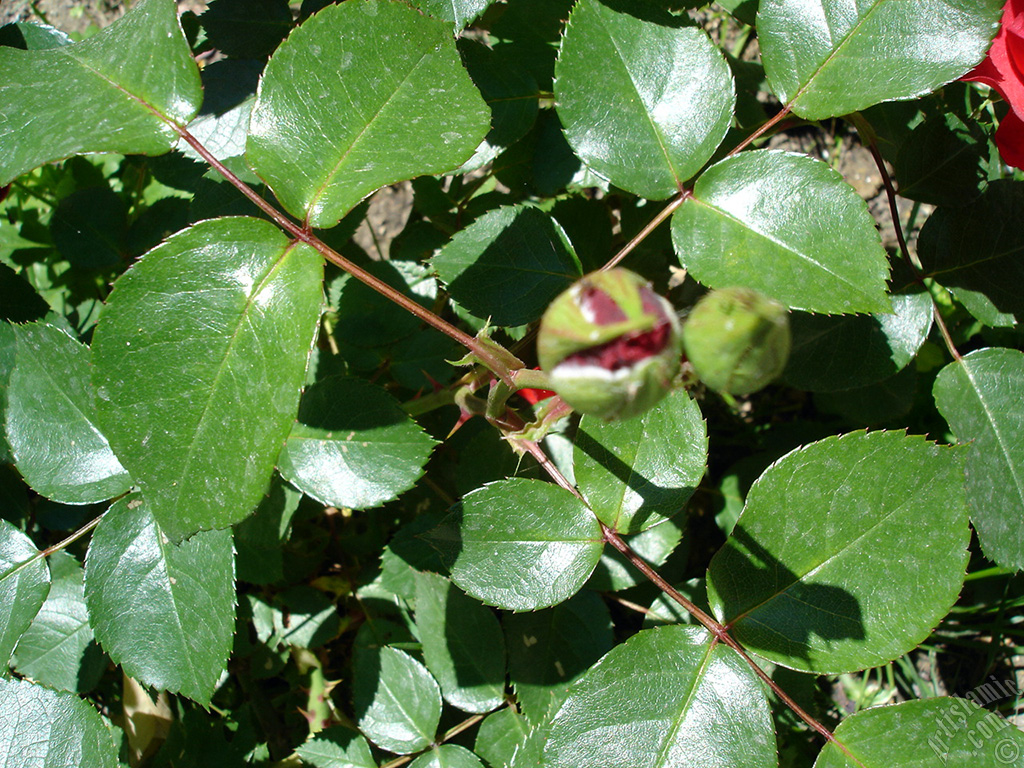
pixel 1003 70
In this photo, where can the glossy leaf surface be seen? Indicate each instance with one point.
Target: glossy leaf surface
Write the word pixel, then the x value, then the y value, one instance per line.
pixel 57 649
pixel 127 84
pixel 22 589
pixel 508 265
pixel 520 544
pixel 980 398
pixel 829 59
pixel 972 252
pixel 832 353
pixel 51 729
pixel 800 581
pixel 163 611
pixel 198 362
pixel 337 747
pixel 398 703
pixel 399 105
pixel 644 100
pixel 459 12
pixel 750 223
pixel 462 644
pixel 665 697
pixel 447 756
pixel 52 420
pixel 638 472
pixel 353 445
pixel 946 731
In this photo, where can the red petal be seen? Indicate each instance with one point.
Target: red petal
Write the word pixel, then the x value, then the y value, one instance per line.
pixel 1010 140
pixel 1003 69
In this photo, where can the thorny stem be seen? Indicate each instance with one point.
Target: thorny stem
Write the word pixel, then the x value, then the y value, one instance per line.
pixel 305 235
pixel 718 630
pixel 503 371
pixel 866 132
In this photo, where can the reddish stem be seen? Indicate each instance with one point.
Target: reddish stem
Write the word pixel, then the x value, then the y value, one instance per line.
pixel 304 234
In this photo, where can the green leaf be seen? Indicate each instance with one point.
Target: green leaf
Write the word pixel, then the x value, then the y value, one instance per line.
pixel 508 265
pixel 305 617
pixel 786 225
pixel 548 650
pixel 90 227
pixel 979 396
pixel 666 697
pixel 828 59
pixel 52 729
pixel 799 579
pixel 23 587
pixel 459 12
pixel 510 92
pixel 337 748
pixel 163 611
pixel 52 420
pixel 972 252
pixel 57 649
pixel 638 472
pixel 397 702
pixel 500 734
pixel 951 732
pixel 462 645
pixel 645 101
pixel 615 572
pixel 520 544
pixel 353 445
pixel 105 94
pixel 198 360
pixel 836 353
pixel 400 105
pixel 8 352
pixel 260 538
pixel 943 162
pixel 447 756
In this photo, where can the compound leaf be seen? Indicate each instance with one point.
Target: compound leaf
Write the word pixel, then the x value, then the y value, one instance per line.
pixel 198 362
pixel 119 91
pixel 398 105
pixel 800 579
pixel 163 611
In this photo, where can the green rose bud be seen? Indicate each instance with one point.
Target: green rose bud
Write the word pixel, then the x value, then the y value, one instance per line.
pixel 610 345
pixel 737 340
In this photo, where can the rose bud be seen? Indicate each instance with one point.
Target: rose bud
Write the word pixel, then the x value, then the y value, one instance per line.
pixel 737 340
pixel 610 345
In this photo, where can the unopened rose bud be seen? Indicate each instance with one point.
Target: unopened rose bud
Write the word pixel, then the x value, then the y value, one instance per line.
pixel 737 340
pixel 610 345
